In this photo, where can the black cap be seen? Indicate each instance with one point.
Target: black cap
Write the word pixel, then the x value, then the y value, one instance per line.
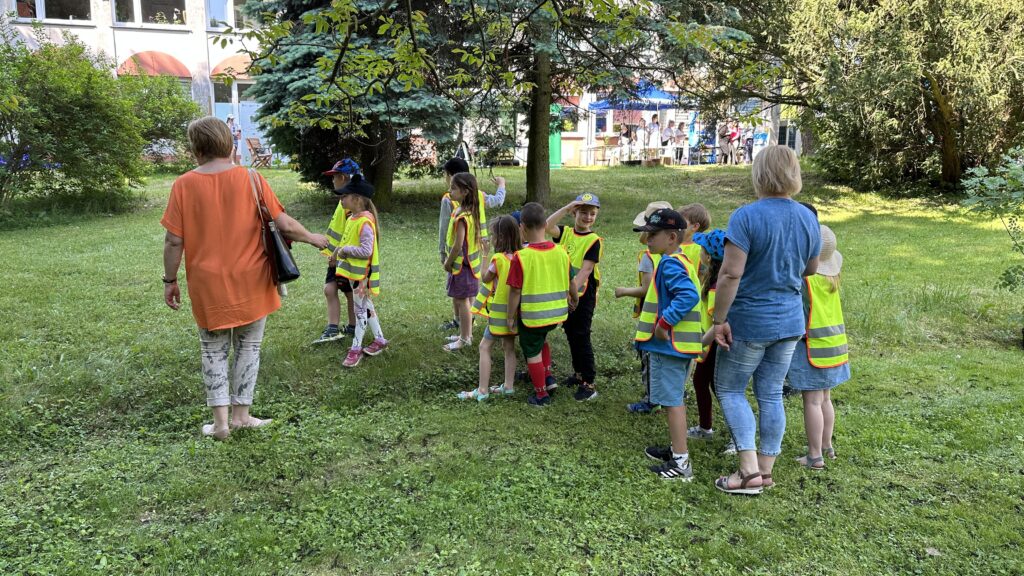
pixel 456 165
pixel 662 219
pixel 358 185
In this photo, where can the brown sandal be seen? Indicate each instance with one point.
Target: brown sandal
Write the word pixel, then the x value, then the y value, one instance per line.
pixel 723 484
pixel 766 481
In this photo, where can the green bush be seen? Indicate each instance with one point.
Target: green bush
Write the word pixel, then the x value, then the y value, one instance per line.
pixel 999 192
pixel 164 108
pixel 67 131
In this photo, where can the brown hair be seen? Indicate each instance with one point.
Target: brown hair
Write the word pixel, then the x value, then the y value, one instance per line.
pixel 532 216
pixel 209 137
pixel 368 206
pixel 505 235
pixel 696 214
pixel 471 203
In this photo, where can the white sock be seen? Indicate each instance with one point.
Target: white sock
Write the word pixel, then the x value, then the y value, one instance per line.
pixel 680 458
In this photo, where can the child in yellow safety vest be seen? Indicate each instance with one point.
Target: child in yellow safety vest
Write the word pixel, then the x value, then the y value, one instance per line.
pixel 821 358
pixel 463 260
pixel 492 304
pixel 452 167
pixel 645 271
pixel 358 259
pixel 669 329
pixel 344 174
pixel 539 297
pixel 698 220
pixel 585 249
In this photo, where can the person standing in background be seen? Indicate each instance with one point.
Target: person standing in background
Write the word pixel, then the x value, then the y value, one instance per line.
pixel 236 139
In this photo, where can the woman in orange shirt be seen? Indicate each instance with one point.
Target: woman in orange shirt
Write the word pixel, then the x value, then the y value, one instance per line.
pixel 212 218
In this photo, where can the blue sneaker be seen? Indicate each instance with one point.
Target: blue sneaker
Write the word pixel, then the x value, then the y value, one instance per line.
pixel 550 384
pixel 643 407
pixel 538 402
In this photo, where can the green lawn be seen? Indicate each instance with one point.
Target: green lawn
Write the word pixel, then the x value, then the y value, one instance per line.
pixel 379 470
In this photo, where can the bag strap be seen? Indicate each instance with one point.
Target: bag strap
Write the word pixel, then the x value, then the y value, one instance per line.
pixel 257 193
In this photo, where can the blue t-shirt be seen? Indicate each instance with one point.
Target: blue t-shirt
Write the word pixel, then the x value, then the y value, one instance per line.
pixel 779 236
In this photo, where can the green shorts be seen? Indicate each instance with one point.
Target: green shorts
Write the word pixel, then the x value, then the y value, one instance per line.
pixel 531 340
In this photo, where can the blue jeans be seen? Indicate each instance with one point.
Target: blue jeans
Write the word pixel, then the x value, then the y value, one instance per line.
pixel 767 363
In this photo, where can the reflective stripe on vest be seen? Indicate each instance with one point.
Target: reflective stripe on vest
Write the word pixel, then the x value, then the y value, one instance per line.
pixel 356 269
pixel 577 246
pixel 335 230
pixel 473 246
pixel 685 334
pixel 492 299
pixel 826 331
pixel 545 293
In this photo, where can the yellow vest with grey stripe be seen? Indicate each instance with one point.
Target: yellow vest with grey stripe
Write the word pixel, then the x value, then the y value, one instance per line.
pixel 336 230
pixel 638 305
pixel 686 334
pixel 356 269
pixel 545 297
pixel 492 299
pixel 472 243
pixel 707 314
pixel 481 206
pixel 577 246
pixel 826 330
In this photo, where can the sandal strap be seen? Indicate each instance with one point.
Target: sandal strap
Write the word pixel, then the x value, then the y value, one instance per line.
pixel 744 480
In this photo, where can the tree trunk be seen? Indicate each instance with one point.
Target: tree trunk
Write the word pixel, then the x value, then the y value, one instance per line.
pixel 538 154
pixel 943 125
pixel 378 162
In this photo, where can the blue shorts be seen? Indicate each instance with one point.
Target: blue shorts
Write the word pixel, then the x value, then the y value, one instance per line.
pixel 668 379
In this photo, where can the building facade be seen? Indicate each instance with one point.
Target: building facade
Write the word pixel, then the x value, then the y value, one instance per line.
pixel 173 37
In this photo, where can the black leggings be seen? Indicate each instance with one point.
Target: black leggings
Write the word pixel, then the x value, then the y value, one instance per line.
pixel 577 331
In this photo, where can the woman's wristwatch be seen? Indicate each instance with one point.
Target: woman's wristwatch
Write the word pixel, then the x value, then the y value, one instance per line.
pixel 171 281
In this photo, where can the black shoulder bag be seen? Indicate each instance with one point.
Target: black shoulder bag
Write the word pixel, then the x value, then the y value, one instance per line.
pixel 282 264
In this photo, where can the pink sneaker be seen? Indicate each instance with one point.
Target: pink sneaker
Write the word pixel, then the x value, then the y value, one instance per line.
pixel 375 347
pixel 353 357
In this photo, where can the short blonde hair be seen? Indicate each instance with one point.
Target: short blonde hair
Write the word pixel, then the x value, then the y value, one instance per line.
pixel 776 172
pixel 210 137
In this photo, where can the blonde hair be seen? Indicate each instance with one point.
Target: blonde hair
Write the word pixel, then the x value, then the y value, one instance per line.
pixel 209 137
pixel 833 282
pixel 776 172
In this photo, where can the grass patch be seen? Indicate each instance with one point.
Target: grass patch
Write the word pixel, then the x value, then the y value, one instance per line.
pixel 381 471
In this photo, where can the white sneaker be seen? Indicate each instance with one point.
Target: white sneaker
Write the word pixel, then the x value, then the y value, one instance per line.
pixel 730 448
pixel 698 433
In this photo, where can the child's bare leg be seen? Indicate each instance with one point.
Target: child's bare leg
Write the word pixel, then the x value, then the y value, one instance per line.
pixel 483 385
pixel 350 304
pixel 677 428
pixel 508 343
pixel 813 422
pixel 333 304
pixel 828 414
pixel 465 319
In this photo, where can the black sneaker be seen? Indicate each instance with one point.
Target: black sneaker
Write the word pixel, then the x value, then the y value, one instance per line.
pixel 659 453
pixel 585 392
pixel 550 384
pixel 452 324
pixel 671 470
pixel 330 334
pixel 571 381
pixel 538 402
pixel 350 330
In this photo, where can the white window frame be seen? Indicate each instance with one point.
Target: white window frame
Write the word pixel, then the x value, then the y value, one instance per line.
pixel 230 17
pixel 41 14
pixel 137 18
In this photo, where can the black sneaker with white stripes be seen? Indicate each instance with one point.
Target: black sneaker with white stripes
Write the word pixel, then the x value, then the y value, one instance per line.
pixel 673 470
pixel 659 453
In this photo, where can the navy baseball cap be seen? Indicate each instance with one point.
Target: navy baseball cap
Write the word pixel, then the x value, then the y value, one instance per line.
pixel 588 199
pixel 663 219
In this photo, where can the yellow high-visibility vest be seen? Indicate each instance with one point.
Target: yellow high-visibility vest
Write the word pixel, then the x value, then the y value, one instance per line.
pixel 577 245
pixel 356 269
pixel 693 253
pixel 545 297
pixel 492 299
pixel 826 330
pixel 684 335
pixel 638 305
pixel 484 232
pixel 336 230
pixel 471 242
pixel 707 319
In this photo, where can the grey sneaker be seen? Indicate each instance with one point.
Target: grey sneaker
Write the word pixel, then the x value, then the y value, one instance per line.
pixel 331 333
pixel 730 448
pixel 452 324
pixel 673 470
pixel 698 433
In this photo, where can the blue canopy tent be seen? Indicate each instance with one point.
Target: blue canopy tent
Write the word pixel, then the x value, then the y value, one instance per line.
pixel 648 98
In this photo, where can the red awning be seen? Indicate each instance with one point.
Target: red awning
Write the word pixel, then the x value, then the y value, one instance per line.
pixel 153 64
pixel 236 66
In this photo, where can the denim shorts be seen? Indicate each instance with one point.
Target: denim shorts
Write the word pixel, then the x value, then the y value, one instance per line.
pixel 668 379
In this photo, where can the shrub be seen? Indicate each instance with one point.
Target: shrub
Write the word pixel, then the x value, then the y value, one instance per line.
pixel 999 193
pixel 164 109
pixel 66 128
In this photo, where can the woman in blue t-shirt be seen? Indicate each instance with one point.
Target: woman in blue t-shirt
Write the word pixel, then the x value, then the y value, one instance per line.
pixel 771 244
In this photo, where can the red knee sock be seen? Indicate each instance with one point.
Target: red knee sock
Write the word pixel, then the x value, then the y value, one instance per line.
pixel 545 355
pixel 537 377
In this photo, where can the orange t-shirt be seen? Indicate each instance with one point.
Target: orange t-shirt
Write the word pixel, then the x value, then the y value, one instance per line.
pixel 228 274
